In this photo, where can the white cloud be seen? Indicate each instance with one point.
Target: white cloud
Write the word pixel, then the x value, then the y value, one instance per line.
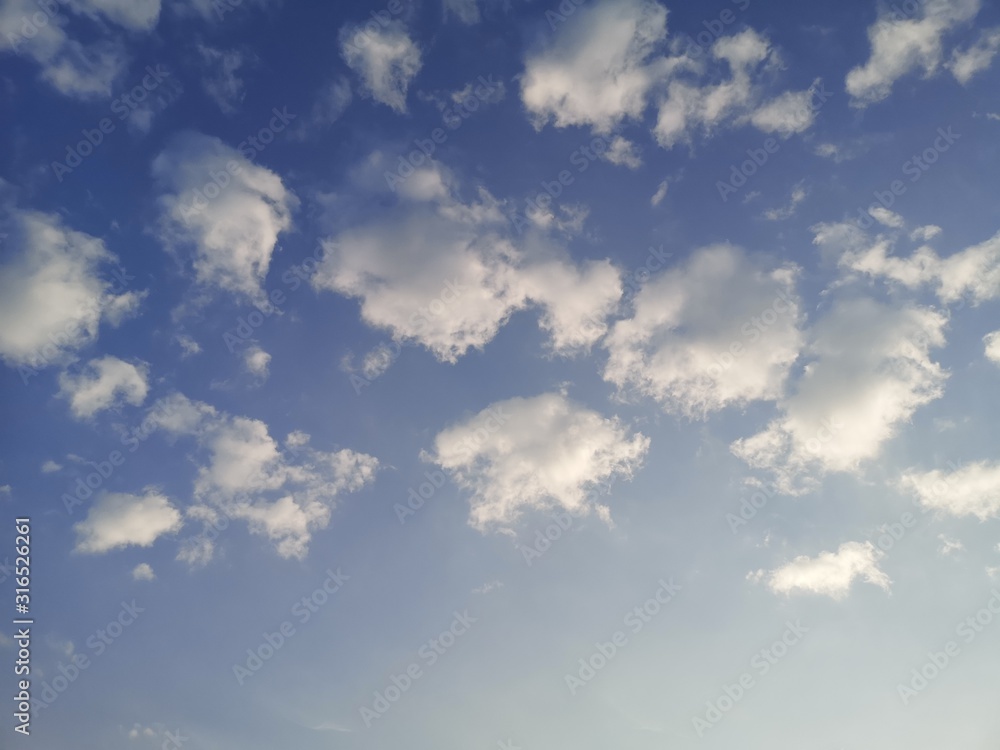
pixel 467 11
pixel 831 573
pixel 965 64
pixel 136 15
pixel 598 69
pixel 886 218
pixel 534 454
pixel 791 112
pixel 449 274
pixel 121 520
pixel 256 361
pixel 948 545
pixel 721 330
pixel 52 296
pixel 925 233
pixel 74 69
pixel 660 194
pixel 900 46
pixel 974 271
pixel 691 107
pixel 105 383
pixel 799 194
pixel 220 79
pixel 867 370
pixel 377 361
pixel 385 60
pixel 50 467
pixel 331 102
pixel 189 346
pixel 992 343
pixel 623 153
pixel 970 490
pixel 143 572
pixel 234 233
pixel 245 475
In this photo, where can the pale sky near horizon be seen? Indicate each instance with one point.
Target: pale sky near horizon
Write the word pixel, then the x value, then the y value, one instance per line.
pixel 501 374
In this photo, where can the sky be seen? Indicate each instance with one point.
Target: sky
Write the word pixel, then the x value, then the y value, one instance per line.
pixel 500 374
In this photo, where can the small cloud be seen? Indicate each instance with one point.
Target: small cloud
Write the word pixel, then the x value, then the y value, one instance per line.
pixel 256 361
pixel 799 194
pixel 189 347
pixel 50 467
pixel 949 545
pixel 660 194
pixel 143 572
pixel 488 587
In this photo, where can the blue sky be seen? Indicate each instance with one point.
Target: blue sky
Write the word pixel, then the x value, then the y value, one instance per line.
pixel 502 374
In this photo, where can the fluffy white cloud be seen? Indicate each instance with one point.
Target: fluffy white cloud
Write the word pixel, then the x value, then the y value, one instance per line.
pixel 283 494
pixel 623 152
pixel 970 490
pixel 972 272
pixel 234 232
pixel 992 343
pixel 256 361
pixel 105 383
pixel 52 295
pixel 536 453
pixel 448 274
pixel 902 45
pixel 599 68
pixel 721 330
pixel 121 520
pixel 868 369
pixel 74 69
pixel 143 572
pixel 831 573
pixel 50 467
pixel 385 60
pixel 965 64
pixel 692 106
